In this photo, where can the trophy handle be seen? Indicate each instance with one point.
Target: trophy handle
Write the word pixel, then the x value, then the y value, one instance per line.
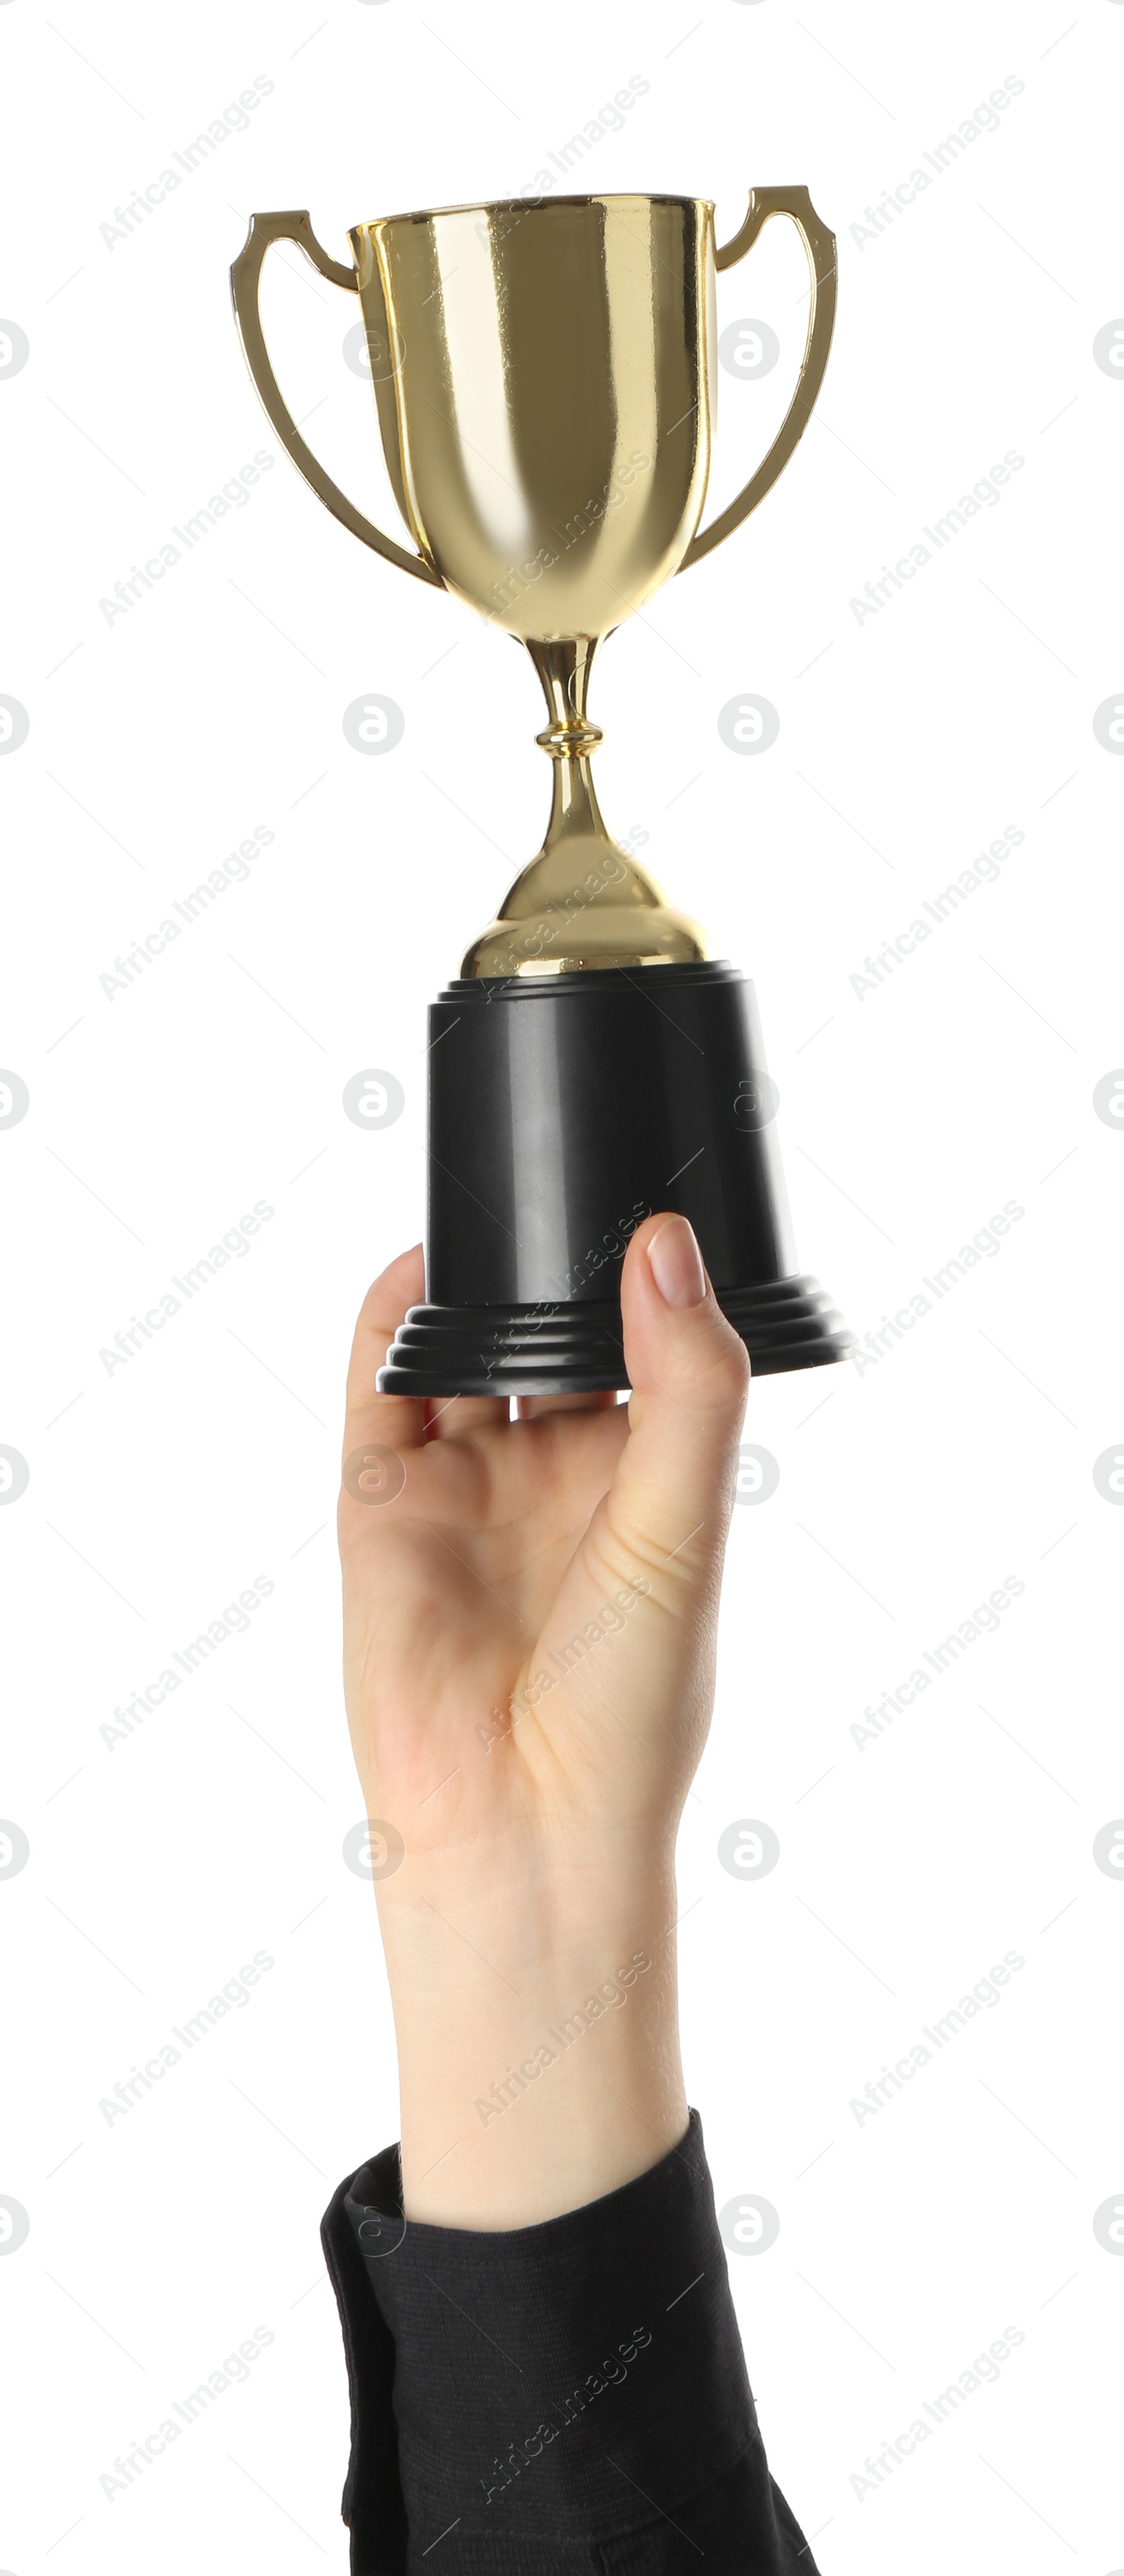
pixel 819 245
pixel 245 278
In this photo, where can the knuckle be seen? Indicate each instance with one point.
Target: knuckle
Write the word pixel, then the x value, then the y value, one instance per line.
pixel 724 1374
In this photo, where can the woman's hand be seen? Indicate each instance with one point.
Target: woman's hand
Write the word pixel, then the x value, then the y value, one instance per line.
pixel 529 1630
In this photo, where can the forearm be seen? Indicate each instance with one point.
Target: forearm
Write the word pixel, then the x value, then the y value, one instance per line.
pixel 544 2360
pixel 537 2030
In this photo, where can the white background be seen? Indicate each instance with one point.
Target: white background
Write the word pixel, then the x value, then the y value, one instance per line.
pixel 907 1492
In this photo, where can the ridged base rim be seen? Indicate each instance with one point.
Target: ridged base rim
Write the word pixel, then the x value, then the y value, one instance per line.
pixel 577 1349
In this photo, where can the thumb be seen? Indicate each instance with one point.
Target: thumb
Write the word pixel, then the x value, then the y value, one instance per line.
pixel 672 1492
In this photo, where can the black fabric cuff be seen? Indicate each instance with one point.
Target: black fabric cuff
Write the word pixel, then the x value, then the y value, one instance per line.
pixel 566 2396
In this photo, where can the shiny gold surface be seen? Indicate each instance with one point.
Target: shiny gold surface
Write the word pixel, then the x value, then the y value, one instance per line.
pixel 551 389
pixel 584 901
pixel 545 382
pixel 245 285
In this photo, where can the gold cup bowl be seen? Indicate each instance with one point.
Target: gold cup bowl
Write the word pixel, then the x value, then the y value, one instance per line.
pixel 544 375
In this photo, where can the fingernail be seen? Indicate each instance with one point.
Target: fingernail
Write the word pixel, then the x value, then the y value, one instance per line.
pixel 676 1264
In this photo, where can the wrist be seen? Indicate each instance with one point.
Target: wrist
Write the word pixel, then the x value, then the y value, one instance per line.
pixel 537 2026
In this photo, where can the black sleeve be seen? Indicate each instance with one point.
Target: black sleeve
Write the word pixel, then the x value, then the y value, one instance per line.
pixel 569 2399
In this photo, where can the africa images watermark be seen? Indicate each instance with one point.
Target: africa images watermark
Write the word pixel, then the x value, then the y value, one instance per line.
pixel 983 1622
pixel 984 119
pixel 234 495
pixel 879 2466
pixel 130 1715
pixel 986 1242
pixel 985 1995
pixel 234 870
pixel 538 1318
pixel 611 870
pixel 611 1994
pixel 235 119
pixel 609 1622
pixel 235 1245
pixel 984 495
pixel 608 120
pixel 610 2373
pixel 236 1994
pixel 129 2465
pixel 982 870
pixel 519 579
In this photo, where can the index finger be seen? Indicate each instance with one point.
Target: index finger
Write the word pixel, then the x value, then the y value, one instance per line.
pixel 387 1421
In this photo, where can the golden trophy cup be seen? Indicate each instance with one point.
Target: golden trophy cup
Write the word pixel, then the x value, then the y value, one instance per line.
pixel 544 374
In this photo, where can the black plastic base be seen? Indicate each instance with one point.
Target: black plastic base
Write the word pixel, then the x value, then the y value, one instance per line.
pixel 578 1350
pixel 563 1110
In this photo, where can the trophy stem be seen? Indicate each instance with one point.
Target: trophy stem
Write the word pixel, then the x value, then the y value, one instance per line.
pixel 584 901
pixel 575 814
pixel 564 668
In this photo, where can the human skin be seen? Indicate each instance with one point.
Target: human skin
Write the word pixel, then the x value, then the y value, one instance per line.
pixel 539 1840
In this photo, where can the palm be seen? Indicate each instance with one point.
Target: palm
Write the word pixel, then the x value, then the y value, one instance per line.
pixel 501 1548
pixel 449 1595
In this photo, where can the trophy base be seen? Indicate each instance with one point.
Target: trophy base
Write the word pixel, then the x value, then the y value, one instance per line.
pixel 563 1110
pixel 578 1349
